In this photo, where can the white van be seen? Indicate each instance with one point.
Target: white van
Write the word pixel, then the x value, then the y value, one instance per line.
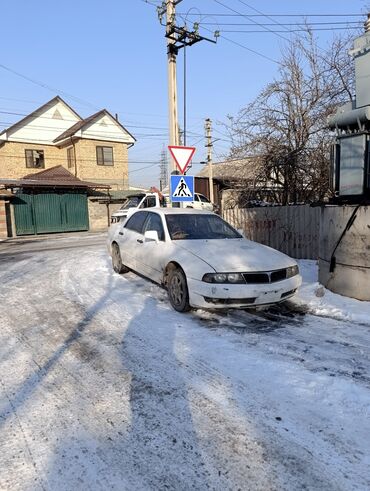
pixel 201 203
pixel 149 200
pixel 135 202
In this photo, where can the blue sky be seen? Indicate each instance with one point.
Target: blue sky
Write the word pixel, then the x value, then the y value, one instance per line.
pixel 112 54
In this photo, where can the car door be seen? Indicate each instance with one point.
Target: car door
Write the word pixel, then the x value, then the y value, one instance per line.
pixel 151 256
pixel 205 203
pixel 196 203
pixel 130 237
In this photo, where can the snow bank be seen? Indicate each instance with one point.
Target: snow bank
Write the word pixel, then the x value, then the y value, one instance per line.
pixel 322 302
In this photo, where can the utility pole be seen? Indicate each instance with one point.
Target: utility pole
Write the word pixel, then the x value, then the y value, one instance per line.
pixel 209 146
pixel 177 37
pixel 172 51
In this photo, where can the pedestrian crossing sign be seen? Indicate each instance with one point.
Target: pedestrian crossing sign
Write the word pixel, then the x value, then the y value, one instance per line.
pixel 182 188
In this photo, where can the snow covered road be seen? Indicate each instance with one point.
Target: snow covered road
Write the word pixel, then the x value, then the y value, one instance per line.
pixel 103 386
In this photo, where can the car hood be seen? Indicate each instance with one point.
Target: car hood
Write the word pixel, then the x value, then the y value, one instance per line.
pixel 237 255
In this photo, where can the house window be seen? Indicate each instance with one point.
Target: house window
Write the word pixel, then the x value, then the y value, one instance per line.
pixel 104 155
pixel 35 159
pixel 70 157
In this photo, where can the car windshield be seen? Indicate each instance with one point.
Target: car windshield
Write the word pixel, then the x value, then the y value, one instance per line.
pixel 198 226
pixel 203 198
pixel 131 203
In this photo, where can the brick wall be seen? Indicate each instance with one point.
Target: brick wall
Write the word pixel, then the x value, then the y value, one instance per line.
pixel 3 227
pixel 115 175
pixel 98 215
pixel 13 161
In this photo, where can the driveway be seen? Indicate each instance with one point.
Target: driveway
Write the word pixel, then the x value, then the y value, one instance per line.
pixel 104 386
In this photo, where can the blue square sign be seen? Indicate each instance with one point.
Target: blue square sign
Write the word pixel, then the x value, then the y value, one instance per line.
pixel 182 188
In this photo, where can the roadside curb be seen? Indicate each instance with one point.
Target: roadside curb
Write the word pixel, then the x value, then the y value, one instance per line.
pixel 39 238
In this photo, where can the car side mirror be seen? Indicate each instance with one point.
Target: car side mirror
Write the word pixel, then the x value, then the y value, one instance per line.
pixel 151 236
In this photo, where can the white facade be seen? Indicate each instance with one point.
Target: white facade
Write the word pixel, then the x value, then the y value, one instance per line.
pixel 44 125
pixel 105 128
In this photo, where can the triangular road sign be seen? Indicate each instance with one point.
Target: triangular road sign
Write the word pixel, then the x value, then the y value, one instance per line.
pixel 182 156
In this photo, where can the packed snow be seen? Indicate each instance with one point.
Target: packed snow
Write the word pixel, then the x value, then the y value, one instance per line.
pixel 104 386
pixel 323 302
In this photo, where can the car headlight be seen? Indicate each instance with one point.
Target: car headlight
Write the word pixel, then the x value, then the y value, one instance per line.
pixel 292 271
pixel 223 278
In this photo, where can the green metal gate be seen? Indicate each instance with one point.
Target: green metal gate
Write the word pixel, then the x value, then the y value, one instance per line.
pixel 46 212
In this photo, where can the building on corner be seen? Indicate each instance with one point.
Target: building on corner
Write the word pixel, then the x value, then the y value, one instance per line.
pixel 93 149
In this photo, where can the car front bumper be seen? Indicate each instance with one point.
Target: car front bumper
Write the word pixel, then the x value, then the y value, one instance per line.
pixel 224 296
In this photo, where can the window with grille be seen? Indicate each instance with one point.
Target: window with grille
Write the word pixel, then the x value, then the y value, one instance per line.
pixel 70 157
pixel 35 159
pixel 104 155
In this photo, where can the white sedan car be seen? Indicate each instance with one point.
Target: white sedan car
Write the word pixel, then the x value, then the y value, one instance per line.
pixel 201 260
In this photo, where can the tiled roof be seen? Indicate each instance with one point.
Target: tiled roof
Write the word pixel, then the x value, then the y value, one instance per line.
pixel 57 173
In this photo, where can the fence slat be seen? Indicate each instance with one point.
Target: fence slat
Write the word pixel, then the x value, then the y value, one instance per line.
pixel 290 229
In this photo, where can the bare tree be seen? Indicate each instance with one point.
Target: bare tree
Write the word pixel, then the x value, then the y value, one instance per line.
pixel 285 127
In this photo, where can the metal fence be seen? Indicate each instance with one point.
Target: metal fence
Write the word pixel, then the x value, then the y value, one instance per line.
pixel 290 229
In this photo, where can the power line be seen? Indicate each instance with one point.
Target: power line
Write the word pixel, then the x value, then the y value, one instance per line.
pixel 47 128
pixel 151 3
pixel 90 134
pixel 270 15
pixel 143 168
pixel 258 12
pixel 20 100
pixel 345 23
pixel 92 160
pixel 247 17
pixel 264 26
pixel 244 47
pixel 291 30
pixel 152 115
pixel 47 87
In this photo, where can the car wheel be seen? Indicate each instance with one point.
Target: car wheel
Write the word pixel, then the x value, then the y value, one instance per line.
pixel 117 264
pixel 178 290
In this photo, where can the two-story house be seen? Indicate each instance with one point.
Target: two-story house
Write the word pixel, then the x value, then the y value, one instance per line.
pixel 94 149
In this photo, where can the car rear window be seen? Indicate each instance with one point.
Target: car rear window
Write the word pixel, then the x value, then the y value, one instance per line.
pixel 199 226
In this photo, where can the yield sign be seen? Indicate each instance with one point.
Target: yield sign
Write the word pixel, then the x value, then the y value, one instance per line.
pixel 182 156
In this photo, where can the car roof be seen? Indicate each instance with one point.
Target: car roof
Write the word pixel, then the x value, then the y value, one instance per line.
pixel 177 211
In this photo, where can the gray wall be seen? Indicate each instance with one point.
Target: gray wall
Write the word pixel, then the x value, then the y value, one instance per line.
pixel 351 276
pixel 293 230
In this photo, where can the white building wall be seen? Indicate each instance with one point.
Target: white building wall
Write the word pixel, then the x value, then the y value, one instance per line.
pixel 106 128
pixel 45 126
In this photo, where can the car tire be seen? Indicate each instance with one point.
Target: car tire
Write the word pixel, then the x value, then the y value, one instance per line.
pixel 117 264
pixel 177 288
